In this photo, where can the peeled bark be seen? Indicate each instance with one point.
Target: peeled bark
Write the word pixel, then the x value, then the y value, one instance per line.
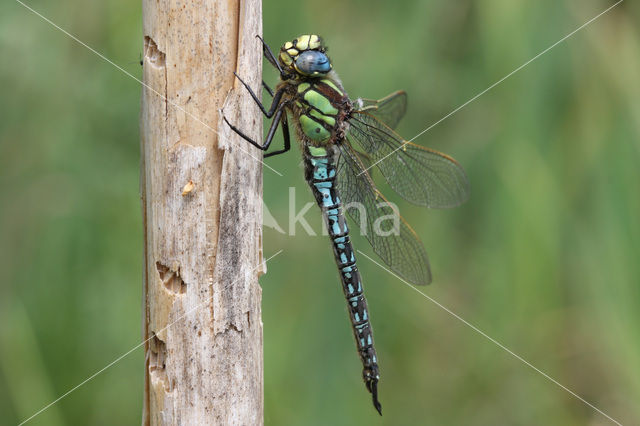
pixel 201 191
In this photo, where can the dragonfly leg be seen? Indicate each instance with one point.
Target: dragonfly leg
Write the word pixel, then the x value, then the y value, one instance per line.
pixel 266 86
pixel 270 56
pixel 274 103
pixel 285 136
pixel 272 130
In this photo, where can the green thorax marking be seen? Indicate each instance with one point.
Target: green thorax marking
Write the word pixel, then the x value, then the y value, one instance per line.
pixel 326 118
pixel 332 85
pixel 317 151
pixel 302 87
pixel 314 130
pixel 320 102
pixel 318 117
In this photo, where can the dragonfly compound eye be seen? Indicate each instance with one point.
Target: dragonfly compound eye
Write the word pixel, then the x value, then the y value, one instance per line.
pixel 312 62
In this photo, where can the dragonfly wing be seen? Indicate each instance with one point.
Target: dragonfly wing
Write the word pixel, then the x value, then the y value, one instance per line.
pixel 420 175
pixel 390 236
pixel 389 109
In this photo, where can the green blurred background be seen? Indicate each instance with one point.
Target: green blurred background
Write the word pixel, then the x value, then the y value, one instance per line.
pixel 543 258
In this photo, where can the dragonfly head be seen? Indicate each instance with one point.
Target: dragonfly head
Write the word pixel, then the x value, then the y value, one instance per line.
pixel 305 57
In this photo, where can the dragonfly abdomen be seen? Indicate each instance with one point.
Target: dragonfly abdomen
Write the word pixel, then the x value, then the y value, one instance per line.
pixel 320 172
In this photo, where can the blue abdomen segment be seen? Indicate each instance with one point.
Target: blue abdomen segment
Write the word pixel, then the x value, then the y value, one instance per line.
pixel 336 225
pixel 351 281
pixel 327 192
pixel 343 250
pixel 320 172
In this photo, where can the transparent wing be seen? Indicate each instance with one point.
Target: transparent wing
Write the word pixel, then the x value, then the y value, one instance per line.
pixel 420 175
pixel 389 109
pixel 390 236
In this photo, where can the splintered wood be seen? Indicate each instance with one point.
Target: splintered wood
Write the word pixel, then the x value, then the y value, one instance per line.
pixel 202 208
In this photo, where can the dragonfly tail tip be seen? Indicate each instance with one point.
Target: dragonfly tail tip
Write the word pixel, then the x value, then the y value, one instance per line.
pixel 378 407
pixel 374 397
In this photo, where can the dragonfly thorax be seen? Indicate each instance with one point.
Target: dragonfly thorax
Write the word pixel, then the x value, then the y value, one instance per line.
pixel 321 109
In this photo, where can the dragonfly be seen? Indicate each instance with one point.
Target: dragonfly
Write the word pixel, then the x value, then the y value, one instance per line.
pixel 342 141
